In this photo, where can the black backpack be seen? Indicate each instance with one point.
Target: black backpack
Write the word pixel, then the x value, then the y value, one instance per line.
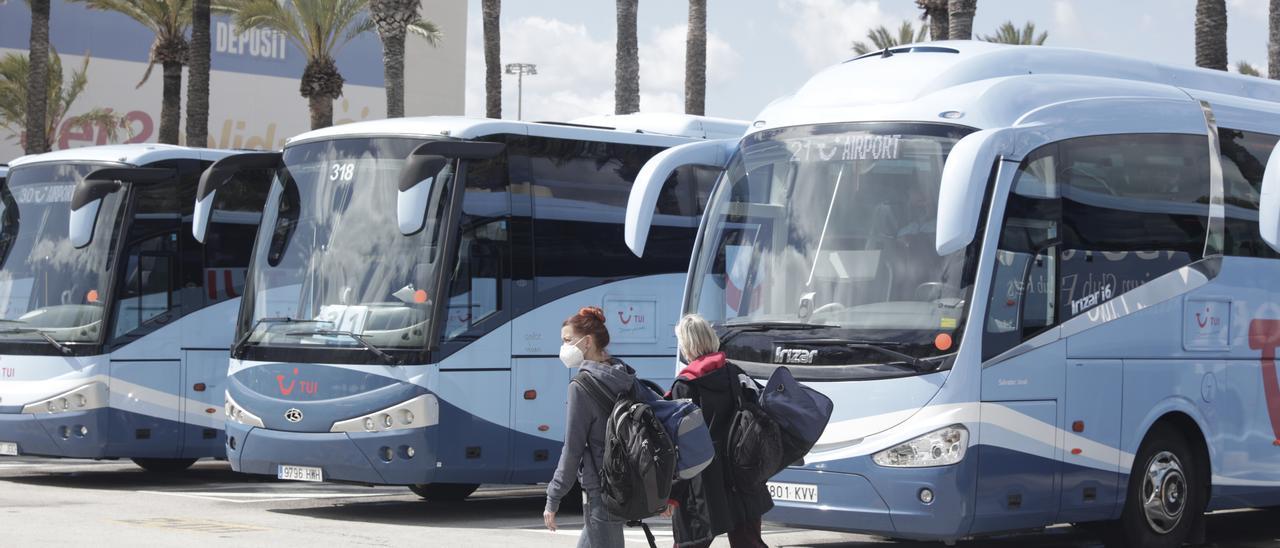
pixel 639 459
pixel 755 446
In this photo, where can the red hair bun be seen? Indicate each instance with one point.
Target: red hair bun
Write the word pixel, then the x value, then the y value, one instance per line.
pixel 592 312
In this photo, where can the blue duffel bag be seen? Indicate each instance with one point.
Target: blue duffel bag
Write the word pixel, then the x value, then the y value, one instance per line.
pixel 683 421
pixel 801 412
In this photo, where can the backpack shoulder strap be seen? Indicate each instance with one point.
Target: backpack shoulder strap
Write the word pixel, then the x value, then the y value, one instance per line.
pixel 594 390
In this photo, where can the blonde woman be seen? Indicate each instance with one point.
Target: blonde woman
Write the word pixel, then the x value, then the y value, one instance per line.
pixel 712 503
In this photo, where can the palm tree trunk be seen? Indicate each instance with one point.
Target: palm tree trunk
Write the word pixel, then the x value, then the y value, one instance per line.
pixel 171 104
pixel 939 24
pixel 626 87
pixel 198 76
pixel 960 19
pixel 1211 34
pixel 321 111
pixel 393 73
pixel 37 139
pixel 1273 42
pixel 492 11
pixel 695 60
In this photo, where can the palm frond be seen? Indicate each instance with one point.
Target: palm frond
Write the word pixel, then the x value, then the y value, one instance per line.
pixel 427 30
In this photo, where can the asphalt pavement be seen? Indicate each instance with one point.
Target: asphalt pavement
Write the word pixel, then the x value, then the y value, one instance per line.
pixel 53 502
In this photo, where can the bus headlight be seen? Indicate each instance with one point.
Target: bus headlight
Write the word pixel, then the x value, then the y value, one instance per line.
pixel 419 412
pixel 235 413
pixel 90 396
pixel 938 448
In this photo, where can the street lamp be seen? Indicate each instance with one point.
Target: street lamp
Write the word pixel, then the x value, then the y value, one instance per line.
pixel 521 69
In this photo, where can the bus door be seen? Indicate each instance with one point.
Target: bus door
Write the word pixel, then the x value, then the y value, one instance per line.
pixel 142 337
pixel 1019 458
pixel 474 387
pixel 213 280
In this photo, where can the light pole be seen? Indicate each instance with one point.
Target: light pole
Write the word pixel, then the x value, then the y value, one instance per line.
pixel 521 69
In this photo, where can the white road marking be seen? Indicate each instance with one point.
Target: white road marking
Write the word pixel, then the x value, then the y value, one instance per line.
pixel 243 498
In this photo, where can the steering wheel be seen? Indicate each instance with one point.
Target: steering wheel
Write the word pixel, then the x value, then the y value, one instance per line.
pixel 828 308
pixel 1101 182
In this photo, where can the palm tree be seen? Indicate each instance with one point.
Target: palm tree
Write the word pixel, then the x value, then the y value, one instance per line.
pixel 1243 67
pixel 626 87
pixel 394 19
pixel 198 76
pixel 492 10
pixel 1273 41
pixel 169 20
pixel 881 38
pixel 960 19
pixel 935 12
pixel 38 103
pixel 1025 36
pixel 15 70
pixel 318 28
pixel 695 60
pixel 1211 34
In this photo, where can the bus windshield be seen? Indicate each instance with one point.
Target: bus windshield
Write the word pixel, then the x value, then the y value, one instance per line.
pixel 49 290
pixel 833 226
pixel 330 267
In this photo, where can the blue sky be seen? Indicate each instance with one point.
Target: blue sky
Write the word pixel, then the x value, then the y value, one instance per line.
pixel 762 49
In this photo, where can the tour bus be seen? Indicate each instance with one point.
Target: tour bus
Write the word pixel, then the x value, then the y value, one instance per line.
pixel 1039 285
pixel 115 324
pixel 401 317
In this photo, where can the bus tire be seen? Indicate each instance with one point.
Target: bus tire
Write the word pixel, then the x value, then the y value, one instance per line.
pixel 1164 495
pixel 164 466
pixel 444 492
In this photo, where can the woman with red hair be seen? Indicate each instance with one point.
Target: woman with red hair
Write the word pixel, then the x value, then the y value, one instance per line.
pixel 585 340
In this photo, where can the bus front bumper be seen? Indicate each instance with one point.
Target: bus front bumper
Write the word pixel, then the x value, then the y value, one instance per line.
pixel 73 434
pixel 888 504
pixel 347 457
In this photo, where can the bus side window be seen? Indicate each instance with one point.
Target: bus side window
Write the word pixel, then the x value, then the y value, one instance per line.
pixel 147 288
pixel 1134 208
pixel 1244 156
pixel 477 281
pixel 237 211
pixel 1094 217
pixel 579 192
pixel 1023 300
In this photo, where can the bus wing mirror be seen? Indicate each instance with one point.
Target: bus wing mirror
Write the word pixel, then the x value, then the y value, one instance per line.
pixel 418 176
pixel 89 193
pixel 217 176
pixel 653 176
pixel 964 184
pixel 1269 202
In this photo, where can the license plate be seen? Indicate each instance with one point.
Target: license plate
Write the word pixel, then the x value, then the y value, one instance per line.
pixel 8 448
pixel 299 473
pixel 793 492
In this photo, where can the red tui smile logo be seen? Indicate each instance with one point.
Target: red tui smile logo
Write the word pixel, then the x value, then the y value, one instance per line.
pixel 305 387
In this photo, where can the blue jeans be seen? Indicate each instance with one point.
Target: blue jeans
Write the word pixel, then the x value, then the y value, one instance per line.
pixel 600 530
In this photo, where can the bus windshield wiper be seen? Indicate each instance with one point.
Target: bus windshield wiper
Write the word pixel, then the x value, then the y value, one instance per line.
pixel 66 350
pixel 380 353
pixel 734 329
pixel 244 339
pixel 914 362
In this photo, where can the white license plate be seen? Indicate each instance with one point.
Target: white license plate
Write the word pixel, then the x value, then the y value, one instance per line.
pixel 299 473
pixel 793 492
pixel 8 448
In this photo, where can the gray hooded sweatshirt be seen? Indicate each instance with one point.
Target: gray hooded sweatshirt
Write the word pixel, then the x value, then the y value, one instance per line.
pixel 584 431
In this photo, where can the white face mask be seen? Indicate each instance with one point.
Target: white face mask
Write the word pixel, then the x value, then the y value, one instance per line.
pixel 571 355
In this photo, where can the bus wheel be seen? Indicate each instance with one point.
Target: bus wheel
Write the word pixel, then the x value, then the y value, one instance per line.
pixel 1164 497
pixel 164 466
pixel 444 492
